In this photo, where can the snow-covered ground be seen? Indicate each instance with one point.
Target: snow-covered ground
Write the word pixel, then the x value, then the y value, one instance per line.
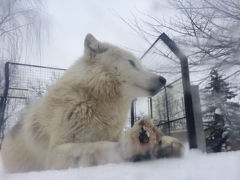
pixel 193 166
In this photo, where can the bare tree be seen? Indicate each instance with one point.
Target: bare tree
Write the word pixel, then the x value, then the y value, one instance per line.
pixel 210 28
pixel 21 32
pixel 21 29
pixel 207 30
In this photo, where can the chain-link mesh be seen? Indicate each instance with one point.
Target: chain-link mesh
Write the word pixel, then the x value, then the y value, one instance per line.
pixel 23 84
pixel 168 110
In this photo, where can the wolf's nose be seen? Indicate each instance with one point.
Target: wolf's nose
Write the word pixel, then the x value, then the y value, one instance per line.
pixel 162 80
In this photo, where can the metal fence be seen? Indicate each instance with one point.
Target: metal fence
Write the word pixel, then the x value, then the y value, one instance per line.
pixel 166 109
pixel 22 85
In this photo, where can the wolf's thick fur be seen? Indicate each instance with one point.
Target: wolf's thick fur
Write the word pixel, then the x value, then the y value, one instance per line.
pixel 79 121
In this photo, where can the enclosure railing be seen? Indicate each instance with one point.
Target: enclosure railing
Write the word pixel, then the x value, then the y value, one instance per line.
pixel 22 84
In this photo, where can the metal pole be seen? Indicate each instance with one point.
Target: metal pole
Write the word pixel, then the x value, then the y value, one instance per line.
pixel 4 99
pixel 150 106
pixel 132 113
pixel 168 119
pixel 150 48
pixel 186 89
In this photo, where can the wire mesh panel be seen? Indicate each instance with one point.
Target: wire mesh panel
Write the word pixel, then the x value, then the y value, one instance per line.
pixel 23 84
pixel 168 110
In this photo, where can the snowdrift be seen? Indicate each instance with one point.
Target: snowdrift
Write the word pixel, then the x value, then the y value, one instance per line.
pixel 193 166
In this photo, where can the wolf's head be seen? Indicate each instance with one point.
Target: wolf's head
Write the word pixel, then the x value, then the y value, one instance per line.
pixel 120 69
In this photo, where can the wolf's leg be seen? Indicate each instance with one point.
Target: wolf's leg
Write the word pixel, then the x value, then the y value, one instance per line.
pixel 139 140
pixel 17 157
pixel 83 154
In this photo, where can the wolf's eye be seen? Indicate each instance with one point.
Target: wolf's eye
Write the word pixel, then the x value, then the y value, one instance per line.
pixel 132 63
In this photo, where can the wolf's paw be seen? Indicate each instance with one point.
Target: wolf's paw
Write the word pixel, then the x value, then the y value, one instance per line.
pixel 141 139
pixel 168 147
pixel 147 133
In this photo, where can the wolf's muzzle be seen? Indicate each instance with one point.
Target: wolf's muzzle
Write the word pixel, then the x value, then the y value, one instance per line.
pixel 159 83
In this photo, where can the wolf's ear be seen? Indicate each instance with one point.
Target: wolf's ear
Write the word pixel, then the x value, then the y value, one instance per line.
pixel 93 46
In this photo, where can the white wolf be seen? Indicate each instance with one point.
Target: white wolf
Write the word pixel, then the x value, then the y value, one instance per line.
pixel 79 121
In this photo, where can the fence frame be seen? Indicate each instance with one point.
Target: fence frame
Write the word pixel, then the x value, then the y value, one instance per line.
pixel 168 122
pixel 4 97
pixel 191 129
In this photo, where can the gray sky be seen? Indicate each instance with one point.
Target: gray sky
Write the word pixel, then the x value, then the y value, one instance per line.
pixel 71 20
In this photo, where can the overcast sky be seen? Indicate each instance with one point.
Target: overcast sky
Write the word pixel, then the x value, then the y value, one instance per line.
pixel 71 20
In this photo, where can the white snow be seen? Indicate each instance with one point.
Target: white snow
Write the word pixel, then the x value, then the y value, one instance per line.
pixel 193 166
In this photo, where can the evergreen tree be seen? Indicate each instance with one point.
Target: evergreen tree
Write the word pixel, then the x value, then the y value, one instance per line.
pixel 221 117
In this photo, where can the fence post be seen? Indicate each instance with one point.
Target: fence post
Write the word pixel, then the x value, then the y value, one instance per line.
pixel 168 119
pixel 4 100
pixel 186 89
pixel 150 107
pixel 132 113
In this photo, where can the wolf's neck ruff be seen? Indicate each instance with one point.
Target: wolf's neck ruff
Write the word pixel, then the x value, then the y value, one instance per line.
pixel 102 86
